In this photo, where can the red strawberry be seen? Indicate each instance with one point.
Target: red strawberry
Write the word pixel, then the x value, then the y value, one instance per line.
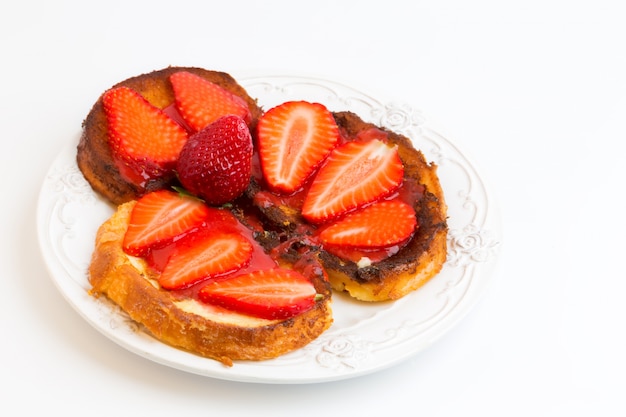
pixel 216 162
pixel 355 174
pixel 205 255
pixel 142 136
pixel 294 138
pixel 275 294
pixel 376 226
pixel 201 102
pixel 159 218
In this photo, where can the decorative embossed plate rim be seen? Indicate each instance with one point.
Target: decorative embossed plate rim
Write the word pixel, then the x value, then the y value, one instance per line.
pixel 365 337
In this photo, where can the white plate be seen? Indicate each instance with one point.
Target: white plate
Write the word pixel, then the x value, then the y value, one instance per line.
pixel 364 337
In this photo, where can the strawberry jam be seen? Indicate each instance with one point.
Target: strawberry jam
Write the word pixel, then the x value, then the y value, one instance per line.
pixel 221 221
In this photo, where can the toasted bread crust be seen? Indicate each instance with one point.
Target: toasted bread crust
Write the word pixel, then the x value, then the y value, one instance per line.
pixel 94 156
pixel 123 280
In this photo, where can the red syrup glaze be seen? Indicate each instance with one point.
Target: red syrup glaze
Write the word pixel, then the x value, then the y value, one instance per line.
pixel 357 255
pixel 265 199
pixel 221 220
pixel 175 115
pixel 129 174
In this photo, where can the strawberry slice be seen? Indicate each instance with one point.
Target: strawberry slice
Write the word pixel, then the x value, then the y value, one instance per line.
pixel 142 137
pixel 203 256
pixel 355 174
pixel 294 138
pixel 160 217
pixel 379 225
pixel 275 294
pixel 201 102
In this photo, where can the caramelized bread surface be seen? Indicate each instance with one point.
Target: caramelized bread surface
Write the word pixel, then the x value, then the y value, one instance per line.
pixel 180 321
pixel 94 156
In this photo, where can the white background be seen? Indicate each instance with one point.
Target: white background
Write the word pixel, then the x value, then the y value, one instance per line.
pixel 534 92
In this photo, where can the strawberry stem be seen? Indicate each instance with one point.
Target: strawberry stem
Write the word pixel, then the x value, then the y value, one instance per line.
pixel 185 193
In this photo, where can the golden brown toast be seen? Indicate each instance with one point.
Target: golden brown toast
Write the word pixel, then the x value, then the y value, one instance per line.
pixel 182 321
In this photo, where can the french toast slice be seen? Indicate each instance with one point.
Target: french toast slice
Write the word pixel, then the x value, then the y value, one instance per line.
pixel 424 255
pixel 180 320
pixel 94 155
pixel 391 278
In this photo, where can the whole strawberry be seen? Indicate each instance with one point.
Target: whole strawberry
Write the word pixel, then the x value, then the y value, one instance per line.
pixel 215 163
